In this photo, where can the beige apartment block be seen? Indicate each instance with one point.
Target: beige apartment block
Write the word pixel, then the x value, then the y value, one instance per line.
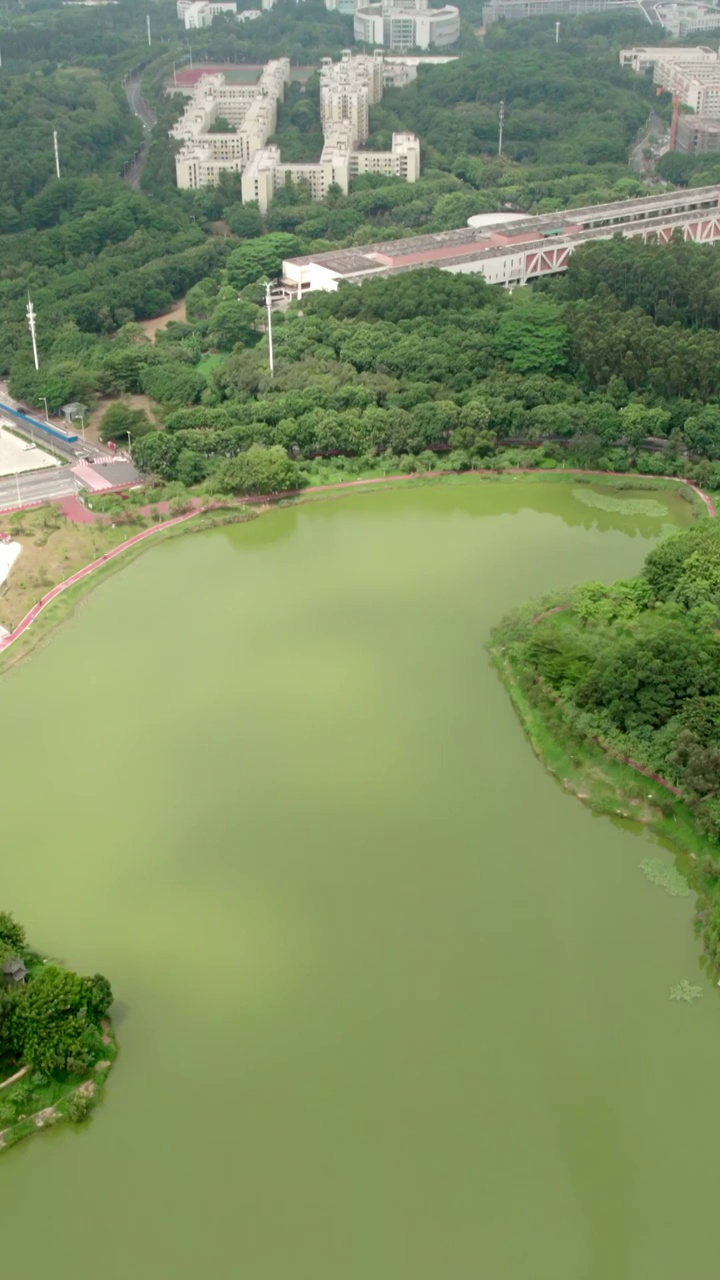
pixel 347 91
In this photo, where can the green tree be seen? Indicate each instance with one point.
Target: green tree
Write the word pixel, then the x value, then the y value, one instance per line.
pixel 121 418
pixel 232 324
pixel 173 383
pixel 261 258
pixel 532 335
pixel 50 1018
pixel 11 933
pixel 259 470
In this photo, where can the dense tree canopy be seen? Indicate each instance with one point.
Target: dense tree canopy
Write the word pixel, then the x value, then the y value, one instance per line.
pixel 49 1020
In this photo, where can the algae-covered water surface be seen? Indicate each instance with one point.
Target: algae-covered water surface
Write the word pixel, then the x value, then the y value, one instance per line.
pixel 391 1006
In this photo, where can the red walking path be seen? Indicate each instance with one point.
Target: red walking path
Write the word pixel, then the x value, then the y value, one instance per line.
pixel 74 510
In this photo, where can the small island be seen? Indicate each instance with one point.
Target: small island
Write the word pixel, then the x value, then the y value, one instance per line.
pixel 56 1042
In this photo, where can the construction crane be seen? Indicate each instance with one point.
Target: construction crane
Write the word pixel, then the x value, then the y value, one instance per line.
pixel 675 113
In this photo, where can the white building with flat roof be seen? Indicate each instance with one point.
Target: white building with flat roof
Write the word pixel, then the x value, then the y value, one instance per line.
pixel 347 91
pixel 195 14
pixel 513 251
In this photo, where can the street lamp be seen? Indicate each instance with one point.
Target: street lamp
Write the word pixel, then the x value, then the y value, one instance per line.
pixel 17 482
pixel 44 400
pixel 82 426
pixel 129 436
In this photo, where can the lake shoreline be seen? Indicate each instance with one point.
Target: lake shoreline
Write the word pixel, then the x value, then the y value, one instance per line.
pixel 594 773
pixel 70 592
pixel 86 1090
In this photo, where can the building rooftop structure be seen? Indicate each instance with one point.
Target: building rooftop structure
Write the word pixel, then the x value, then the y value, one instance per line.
pixel 14 972
pixel 698 135
pixel 515 250
pixel 684 19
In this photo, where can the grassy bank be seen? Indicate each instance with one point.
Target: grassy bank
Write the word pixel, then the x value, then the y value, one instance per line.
pixel 36 1102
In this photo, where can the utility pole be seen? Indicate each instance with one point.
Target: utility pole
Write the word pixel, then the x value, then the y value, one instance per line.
pixel 557 32
pixel 148 30
pixel 268 305
pixel 44 400
pixel 501 122
pixel 129 436
pixel 57 153
pixel 30 313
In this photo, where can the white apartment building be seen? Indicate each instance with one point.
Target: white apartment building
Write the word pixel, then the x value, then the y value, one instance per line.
pixel 251 108
pixel 337 165
pixel 697 84
pixel 406 24
pixel 693 74
pixel 347 91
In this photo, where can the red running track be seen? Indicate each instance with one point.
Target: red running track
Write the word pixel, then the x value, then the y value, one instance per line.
pixel 56 591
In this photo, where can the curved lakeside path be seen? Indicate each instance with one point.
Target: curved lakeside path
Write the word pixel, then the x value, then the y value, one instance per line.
pixel 200 509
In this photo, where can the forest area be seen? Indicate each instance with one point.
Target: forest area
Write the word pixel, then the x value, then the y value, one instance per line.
pixel 595 371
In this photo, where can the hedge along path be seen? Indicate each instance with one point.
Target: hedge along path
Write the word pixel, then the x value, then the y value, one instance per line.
pixel 42 604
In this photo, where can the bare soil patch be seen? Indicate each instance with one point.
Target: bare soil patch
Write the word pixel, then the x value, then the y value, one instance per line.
pixel 159 322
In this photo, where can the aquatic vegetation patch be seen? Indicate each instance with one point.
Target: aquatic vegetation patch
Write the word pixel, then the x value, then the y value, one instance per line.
pixel 684 992
pixel 666 876
pixel 619 506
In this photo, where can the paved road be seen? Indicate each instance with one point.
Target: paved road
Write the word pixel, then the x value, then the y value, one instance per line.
pixel 36 486
pixel 147 118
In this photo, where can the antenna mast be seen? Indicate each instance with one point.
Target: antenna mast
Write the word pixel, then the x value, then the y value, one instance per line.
pixel 30 313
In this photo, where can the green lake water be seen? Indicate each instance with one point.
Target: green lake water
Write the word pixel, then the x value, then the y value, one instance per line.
pixel 391 1005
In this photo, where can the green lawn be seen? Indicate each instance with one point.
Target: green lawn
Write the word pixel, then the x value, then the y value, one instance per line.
pixel 208 363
